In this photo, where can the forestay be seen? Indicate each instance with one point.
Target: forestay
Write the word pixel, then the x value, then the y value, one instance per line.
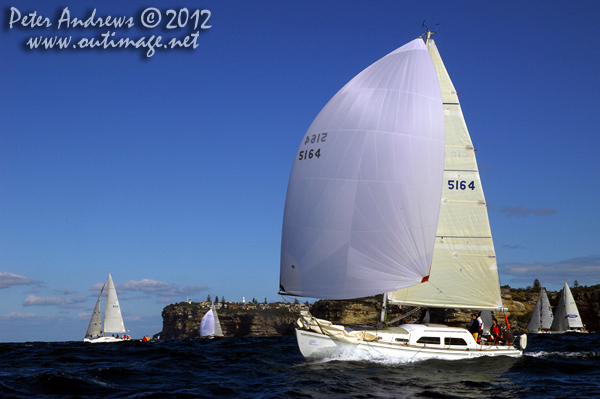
pixel 463 272
pixel 364 192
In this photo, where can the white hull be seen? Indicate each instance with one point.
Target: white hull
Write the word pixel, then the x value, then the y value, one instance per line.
pixel 100 340
pixel 570 332
pixel 316 345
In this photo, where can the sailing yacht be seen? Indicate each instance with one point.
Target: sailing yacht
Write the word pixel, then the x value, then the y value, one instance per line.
pixel 210 326
pixel 385 197
pixel 113 320
pixel 541 319
pixel 566 317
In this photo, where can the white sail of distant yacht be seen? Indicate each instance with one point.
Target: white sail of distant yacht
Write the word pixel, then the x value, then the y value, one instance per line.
pixel 210 325
pixel 541 319
pixel 95 326
pixel 566 317
pixel 113 320
pixel 362 213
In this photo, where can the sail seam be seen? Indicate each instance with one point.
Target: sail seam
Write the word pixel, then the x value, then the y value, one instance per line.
pixel 464 236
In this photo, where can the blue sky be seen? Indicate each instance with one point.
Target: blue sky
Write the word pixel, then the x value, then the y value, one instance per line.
pixel 170 171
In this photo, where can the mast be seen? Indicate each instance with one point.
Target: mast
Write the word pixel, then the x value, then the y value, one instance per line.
pixel 384 308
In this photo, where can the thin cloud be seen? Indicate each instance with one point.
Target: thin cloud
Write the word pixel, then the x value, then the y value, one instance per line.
pixel 7 280
pixel 586 270
pixel 148 288
pixel 523 212
pixel 34 300
pixel 544 212
pixel 159 288
pixel 506 246
pixel 96 288
pixel 17 315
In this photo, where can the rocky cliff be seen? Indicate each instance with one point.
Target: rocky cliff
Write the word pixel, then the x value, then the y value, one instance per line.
pixel 182 320
pixel 520 303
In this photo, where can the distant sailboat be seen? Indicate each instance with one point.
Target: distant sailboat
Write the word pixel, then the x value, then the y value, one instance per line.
pixel 541 319
pixel 566 317
pixel 113 320
pixel 385 197
pixel 210 325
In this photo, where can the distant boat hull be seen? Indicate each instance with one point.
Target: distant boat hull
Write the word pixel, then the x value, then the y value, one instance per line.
pixel 570 332
pixel 316 345
pixel 100 340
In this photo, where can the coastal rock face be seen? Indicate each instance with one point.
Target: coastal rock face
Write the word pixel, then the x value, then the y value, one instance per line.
pixel 520 304
pixel 362 311
pixel 182 320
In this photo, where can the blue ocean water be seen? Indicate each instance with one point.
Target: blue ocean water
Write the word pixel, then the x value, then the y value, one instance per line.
pixel 554 366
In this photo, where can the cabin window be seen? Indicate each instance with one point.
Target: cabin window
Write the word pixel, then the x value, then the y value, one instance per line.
pixel 429 340
pixel 402 340
pixel 454 341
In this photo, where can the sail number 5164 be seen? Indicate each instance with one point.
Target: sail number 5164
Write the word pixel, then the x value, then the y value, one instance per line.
pixel 315 138
pixel 460 185
pixel 309 154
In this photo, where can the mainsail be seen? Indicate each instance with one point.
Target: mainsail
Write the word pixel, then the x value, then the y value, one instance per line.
pixel 95 326
pixel 113 320
pixel 541 319
pixel 218 331
pixel 463 271
pixel 567 315
pixel 364 192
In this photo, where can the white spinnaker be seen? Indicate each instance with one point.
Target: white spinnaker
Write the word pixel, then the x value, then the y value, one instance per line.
pixel 95 326
pixel 207 324
pixel 463 272
pixel 113 320
pixel 364 191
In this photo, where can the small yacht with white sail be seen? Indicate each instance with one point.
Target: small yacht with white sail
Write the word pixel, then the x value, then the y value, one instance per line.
pixel 542 318
pixel 210 326
pixel 109 330
pixel 566 317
